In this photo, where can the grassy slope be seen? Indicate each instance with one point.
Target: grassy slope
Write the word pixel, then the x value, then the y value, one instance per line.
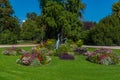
pixel 79 69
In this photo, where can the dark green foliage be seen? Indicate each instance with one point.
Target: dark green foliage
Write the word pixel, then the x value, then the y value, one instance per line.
pixel 9 27
pixel 32 28
pixel 107 30
pixel 86 29
pixel 116 9
pixel 7 37
pixel 6 20
pixel 75 6
pixel 54 19
pixel 31 16
pixel 9 23
pixel 29 30
pixel 87 25
pixel 60 19
pixel 5 8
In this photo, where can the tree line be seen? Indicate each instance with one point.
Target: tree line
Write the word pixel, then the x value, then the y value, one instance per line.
pixel 62 17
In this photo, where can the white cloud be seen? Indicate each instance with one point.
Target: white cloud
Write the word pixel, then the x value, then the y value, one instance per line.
pixel 23 20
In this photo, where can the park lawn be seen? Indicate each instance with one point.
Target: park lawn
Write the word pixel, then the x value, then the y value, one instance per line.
pixel 78 69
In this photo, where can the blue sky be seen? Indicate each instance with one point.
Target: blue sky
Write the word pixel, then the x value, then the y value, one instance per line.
pixel 21 7
pixel 94 11
pixel 97 9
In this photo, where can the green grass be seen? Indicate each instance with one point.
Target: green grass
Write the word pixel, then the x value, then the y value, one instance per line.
pixel 78 69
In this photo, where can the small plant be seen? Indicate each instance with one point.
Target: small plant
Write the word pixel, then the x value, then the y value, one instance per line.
pixel 63 48
pixel 50 44
pixel 79 43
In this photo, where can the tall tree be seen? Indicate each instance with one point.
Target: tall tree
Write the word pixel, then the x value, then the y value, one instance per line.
pixel 5 8
pixel 31 16
pixel 107 30
pixel 59 19
pixel 31 29
pixel 116 9
pixel 8 23
pixel 74 6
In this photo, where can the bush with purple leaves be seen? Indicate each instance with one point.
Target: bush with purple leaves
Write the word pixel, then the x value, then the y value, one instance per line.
pixel 66 56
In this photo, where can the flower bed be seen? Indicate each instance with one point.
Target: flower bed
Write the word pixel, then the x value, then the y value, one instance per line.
pixel 13 51
pixel 34 58
pixel 103 56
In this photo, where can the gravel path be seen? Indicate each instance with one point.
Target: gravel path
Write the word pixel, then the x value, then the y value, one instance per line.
pixel 110 47
pixel 18 45
pixel 26 45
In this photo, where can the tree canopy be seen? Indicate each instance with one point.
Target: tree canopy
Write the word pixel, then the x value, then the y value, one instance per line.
pixel 107 30
pixel 8 23
pixel 59 17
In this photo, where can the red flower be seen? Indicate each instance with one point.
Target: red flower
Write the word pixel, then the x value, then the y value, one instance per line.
pixel 25 55
pixel 103 56
pixel 40 58
pixel 38 53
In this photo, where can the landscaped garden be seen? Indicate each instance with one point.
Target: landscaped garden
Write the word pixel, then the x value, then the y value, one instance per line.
pixel 66 63
pixel 60 32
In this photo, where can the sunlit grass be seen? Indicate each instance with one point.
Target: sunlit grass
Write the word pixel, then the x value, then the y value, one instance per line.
pixel 78 69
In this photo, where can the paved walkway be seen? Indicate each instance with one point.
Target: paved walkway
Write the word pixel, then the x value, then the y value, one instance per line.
pixel 110 47
pixel 18 45
pixel 27 45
